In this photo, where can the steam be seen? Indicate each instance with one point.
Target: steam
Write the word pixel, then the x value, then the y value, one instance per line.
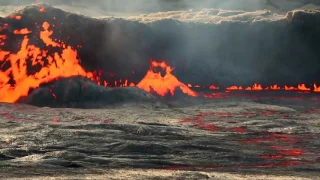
pixel 222 47
pixel 147 6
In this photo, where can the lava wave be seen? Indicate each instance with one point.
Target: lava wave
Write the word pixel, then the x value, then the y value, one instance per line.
pixel 40 44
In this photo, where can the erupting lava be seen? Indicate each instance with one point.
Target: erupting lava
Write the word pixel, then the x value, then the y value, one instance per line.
pixel 31 66
pixel 53 66
pixel 162 85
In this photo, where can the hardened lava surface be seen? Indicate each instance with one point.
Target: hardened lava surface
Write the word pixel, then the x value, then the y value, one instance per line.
pixel 266 135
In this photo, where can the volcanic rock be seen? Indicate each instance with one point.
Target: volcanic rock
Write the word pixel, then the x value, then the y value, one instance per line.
pixel 78 92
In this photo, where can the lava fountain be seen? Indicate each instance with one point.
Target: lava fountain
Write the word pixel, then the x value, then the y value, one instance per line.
pixel 162 85
pixel 52 66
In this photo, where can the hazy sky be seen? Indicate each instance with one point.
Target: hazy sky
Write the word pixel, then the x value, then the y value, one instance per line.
pixel 167 5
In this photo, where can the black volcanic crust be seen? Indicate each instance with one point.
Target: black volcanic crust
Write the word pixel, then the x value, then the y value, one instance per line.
pixel 283 51
pixel 78 92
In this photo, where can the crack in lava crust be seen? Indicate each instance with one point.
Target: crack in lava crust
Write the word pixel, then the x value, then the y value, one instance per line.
pixel 282 145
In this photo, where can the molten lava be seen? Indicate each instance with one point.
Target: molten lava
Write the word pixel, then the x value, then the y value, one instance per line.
pixel 53 66
pixel 258 87
pixel 153 81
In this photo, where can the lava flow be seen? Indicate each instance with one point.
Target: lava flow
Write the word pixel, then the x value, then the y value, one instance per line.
pixel 53 66
pixel 153 81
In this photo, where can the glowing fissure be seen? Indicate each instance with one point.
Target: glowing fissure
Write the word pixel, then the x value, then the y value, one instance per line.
pixel 16 83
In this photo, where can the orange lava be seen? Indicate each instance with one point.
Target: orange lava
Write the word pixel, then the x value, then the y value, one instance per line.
pixel 213 87
pixel 274 87
pixel 16 17
pixel 316 88
pixel 258 87
pixel 42 9
pixel 231 88
pixel 45 36
pixel 53 66
pixel 255 87
pixel 154 82
pixel 22 31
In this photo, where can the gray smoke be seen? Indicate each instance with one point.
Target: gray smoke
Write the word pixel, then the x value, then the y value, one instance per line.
pixel 148 6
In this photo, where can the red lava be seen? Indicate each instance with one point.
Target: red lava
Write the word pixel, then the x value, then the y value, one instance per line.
pixel 224 114
pixel 267 138
pixel 269 112
pixel 42 9
pixel 199 121
pixel 282 153
pixel 271 137
pixel 238 130
pixel 286 115
pixel 12 118
pixel 107 121
pixel 291 152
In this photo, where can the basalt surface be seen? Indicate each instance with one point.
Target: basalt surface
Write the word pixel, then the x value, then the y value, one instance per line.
pixel 249 136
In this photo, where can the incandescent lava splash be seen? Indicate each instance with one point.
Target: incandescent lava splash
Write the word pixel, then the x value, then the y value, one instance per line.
pixel 52 66
pixel 154 81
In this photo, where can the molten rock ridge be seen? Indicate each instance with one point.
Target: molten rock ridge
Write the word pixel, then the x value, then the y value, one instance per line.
pixel 227 48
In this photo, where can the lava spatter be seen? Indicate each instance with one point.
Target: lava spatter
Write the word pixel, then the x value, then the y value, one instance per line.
pixel 53 66
pixel 162 85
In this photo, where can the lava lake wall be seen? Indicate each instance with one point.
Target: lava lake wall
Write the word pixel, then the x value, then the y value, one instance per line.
pixel 282 51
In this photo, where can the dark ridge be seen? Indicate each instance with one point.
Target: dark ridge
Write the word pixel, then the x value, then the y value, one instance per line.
pixel 78 92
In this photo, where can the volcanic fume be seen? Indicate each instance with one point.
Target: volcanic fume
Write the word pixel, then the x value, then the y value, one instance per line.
pixel 41 44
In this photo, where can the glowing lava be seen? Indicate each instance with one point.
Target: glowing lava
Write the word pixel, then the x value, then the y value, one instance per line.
pixel 162 85
pixel 53 66
pixel 258 87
